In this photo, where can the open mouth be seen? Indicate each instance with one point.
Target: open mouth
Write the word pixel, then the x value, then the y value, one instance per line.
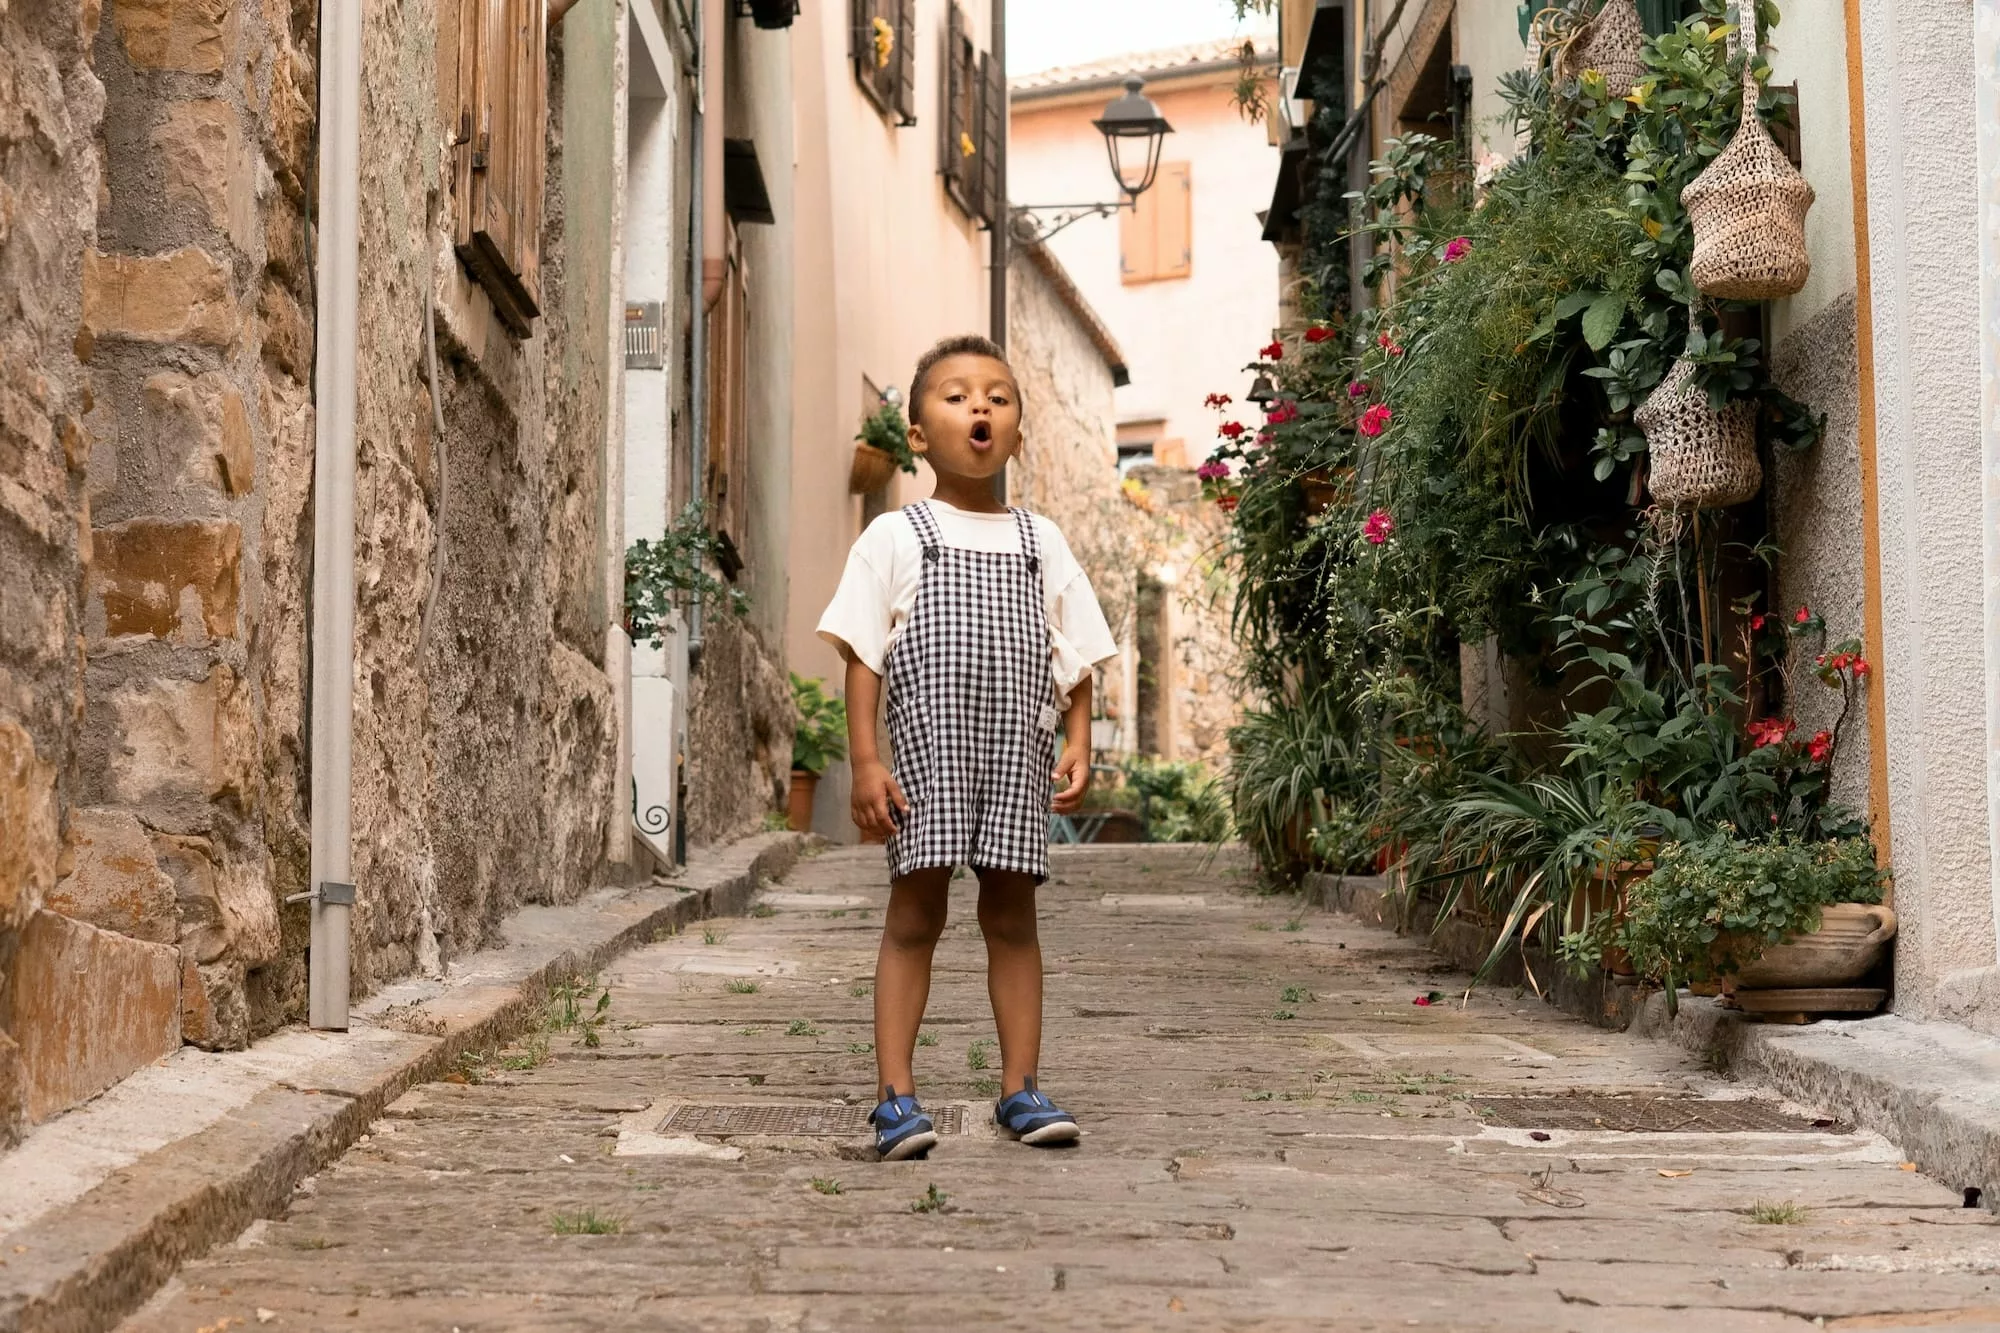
pixel 982 433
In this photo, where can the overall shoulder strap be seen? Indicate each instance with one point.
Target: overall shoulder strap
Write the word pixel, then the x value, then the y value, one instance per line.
pixel 925 523
pixel 1030 547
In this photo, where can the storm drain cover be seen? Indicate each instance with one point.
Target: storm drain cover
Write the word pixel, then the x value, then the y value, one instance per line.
pixel 838 1122
pixel 1648 1115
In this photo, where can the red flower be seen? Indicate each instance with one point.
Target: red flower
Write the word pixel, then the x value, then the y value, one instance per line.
pixel 1265 437
pixel 1388 344
pixel 1226 503
pixel 1769 731
pixel 1379 527
pixel 1275 352
pixel 1374 420
pixel 1422 1000
pixel 1457 248
pixel 1318 334
pixel 1804 617
pixel 1820 746
pixel 1282 413
pixel 1217 400
pixel 1861 668
pixel 1230 428
pixel 1757 623
pixel 1358 389
pixel 1213 470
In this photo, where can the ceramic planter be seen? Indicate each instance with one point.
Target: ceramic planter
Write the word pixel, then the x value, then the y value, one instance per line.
pixel 1850 942
pixel 799 808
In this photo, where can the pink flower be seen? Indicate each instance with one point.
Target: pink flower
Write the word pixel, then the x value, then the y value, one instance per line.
pixel 1319 333
pixel 1374 420
pixel 1769 731
pixel 1265 437
pixel 1217 400
pixel 1282 413
pixel 1388 344
pixel 1230 428
pixel 1275 352
pixel 1378 527
pixel 1358 389
pixel 1457 248
pixel 1820 746
pixel 1213 470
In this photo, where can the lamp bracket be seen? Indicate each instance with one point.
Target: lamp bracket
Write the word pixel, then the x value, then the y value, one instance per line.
pixel 1031 224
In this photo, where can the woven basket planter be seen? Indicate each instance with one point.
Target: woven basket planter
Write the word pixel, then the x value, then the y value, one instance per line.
pixel 1612 43
pixel 1702 458
pixel 1748 212
pixel 870 470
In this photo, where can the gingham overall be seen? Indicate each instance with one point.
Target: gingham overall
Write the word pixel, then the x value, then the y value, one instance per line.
pixel 971 708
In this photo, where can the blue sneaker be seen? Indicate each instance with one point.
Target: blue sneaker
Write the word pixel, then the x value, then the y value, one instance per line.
pixel 1031 1117
pixel 902 1130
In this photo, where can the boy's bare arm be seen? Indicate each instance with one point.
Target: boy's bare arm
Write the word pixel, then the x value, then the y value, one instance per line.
pixel 1073 769
pixel 875 790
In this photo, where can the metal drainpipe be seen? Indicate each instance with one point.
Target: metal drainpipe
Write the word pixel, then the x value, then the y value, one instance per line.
pixel 337 303
pixel 707 276
pixel 999 244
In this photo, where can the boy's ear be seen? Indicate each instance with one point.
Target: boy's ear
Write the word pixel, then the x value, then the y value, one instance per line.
pixel 918 444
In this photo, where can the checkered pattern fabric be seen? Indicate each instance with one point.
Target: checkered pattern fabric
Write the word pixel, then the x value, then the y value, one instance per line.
pixel 970 690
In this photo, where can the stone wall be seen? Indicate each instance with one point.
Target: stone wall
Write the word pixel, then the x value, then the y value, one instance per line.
pixel 156 450
pixel 1202 676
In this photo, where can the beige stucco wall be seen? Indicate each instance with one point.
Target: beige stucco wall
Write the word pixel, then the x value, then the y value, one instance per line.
pixel 1185 338
pixel 885 264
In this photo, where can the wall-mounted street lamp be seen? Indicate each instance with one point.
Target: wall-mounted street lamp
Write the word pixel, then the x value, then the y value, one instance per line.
pixel 1133 131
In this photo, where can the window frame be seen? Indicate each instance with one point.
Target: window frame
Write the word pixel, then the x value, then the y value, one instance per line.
pixel 500 152
pixel 892 87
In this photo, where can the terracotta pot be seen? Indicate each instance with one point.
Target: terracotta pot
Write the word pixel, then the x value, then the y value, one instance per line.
pixel 799 810
pixel 1850 941
pixel 870 470
pixel 1120 826
pixel 1608 893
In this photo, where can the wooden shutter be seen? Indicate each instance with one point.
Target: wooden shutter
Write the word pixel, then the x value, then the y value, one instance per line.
pixel 1156 239
pixel 498 159
pixel 992 141
pixel 960 122
pixel 861 38
pixel 905 62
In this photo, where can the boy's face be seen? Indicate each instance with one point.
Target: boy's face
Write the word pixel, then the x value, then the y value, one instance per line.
pixel 968 423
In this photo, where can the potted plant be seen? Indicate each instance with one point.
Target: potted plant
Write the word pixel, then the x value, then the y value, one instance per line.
pixel 818 740
pixel 1717 904
pixel 881 448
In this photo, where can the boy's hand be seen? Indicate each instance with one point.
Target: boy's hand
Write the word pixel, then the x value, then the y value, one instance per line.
pixel 875 796
pixel 1073 771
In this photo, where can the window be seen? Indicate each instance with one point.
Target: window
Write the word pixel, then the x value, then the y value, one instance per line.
pixel 884 47
pixel 498 153
pixel 1156 239
pixel 972 154
pixel 727 486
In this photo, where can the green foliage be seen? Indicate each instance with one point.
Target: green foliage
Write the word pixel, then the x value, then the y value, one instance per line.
pixel 663 577
pixel 886 430
pixel 821 733
pixel 933 1200
pixel 1714 903
pixel 569 1012
pixel 586 1222
pixel 1182 801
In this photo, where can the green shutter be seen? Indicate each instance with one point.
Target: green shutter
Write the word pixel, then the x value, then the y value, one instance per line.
pixel 1660 15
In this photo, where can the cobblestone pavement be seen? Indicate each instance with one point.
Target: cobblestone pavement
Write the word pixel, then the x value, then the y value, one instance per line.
pixel 1277 1138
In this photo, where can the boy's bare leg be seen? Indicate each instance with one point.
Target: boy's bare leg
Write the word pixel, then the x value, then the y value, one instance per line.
pixel 1013 971
pixel 910 931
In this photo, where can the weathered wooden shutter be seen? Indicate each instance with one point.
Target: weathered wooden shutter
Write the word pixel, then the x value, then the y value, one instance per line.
pixel 992 141
pixel 861 40
pixel 905 62
pixel 1138 250
pixel 1173 237
pixel 499 158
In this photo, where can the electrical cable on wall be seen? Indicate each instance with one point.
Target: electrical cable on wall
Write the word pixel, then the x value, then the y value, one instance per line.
pixel 438 451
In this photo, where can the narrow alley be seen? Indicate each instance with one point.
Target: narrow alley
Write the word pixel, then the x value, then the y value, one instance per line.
pixel 1277 1137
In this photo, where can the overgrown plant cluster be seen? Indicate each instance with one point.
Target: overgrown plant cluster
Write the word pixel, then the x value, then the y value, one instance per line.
pixel 1455 477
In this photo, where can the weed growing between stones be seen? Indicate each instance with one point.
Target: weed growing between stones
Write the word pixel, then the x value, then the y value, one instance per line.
pixel 738 986
pixel 1284 1015
pixel 802 1027
pixel 710 935
pixel 933 1200
pixel 1297 995
pixel 860 992
pixel 763 910
pixel 927 1039
pixel 587 1222
pixel 567 1010
pixel 826 1185
pixel 860 1048
pixel 976 1055
pixel 1777 1214
pixel 986 1087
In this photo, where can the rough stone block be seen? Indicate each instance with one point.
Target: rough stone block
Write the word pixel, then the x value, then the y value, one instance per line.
pixel 288 335
pixel 249 911
pixel 89 1007
pixel 214 1013
pixel 182 741
pixel 188 35
pixel 179 297
pixel 113 882
pixel 191 862
pixel 168 578
pixel 200 144
pixel 288 125
pixel 13 1093
pixel 29 845
pixel 204 421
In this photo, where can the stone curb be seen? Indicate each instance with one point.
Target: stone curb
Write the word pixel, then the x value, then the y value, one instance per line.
pixel 89 1263
pixel 1927 1087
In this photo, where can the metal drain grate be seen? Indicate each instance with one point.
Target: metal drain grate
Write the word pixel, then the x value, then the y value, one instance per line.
pixel 840 1122
pixel 1648 1115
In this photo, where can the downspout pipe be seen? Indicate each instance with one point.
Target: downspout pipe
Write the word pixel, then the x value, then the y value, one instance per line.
pixel 708 257
pixel 999 243
pixel 337 303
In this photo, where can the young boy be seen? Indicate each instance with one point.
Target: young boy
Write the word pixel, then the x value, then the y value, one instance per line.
pixel 986 630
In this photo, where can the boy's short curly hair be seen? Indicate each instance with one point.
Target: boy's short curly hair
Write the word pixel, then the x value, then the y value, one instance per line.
pixel 962 344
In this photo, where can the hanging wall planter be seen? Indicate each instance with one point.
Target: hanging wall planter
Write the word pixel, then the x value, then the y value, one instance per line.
pixel 1613 43
pixel 1701 458
pixel 870 470
pixel 1747 210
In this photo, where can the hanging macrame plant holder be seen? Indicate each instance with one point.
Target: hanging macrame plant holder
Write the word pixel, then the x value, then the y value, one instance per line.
pixel 1612 42
pixel 1747 210
pixel 1701 458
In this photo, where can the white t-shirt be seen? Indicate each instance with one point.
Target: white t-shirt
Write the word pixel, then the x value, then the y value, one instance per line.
pixel 879 588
